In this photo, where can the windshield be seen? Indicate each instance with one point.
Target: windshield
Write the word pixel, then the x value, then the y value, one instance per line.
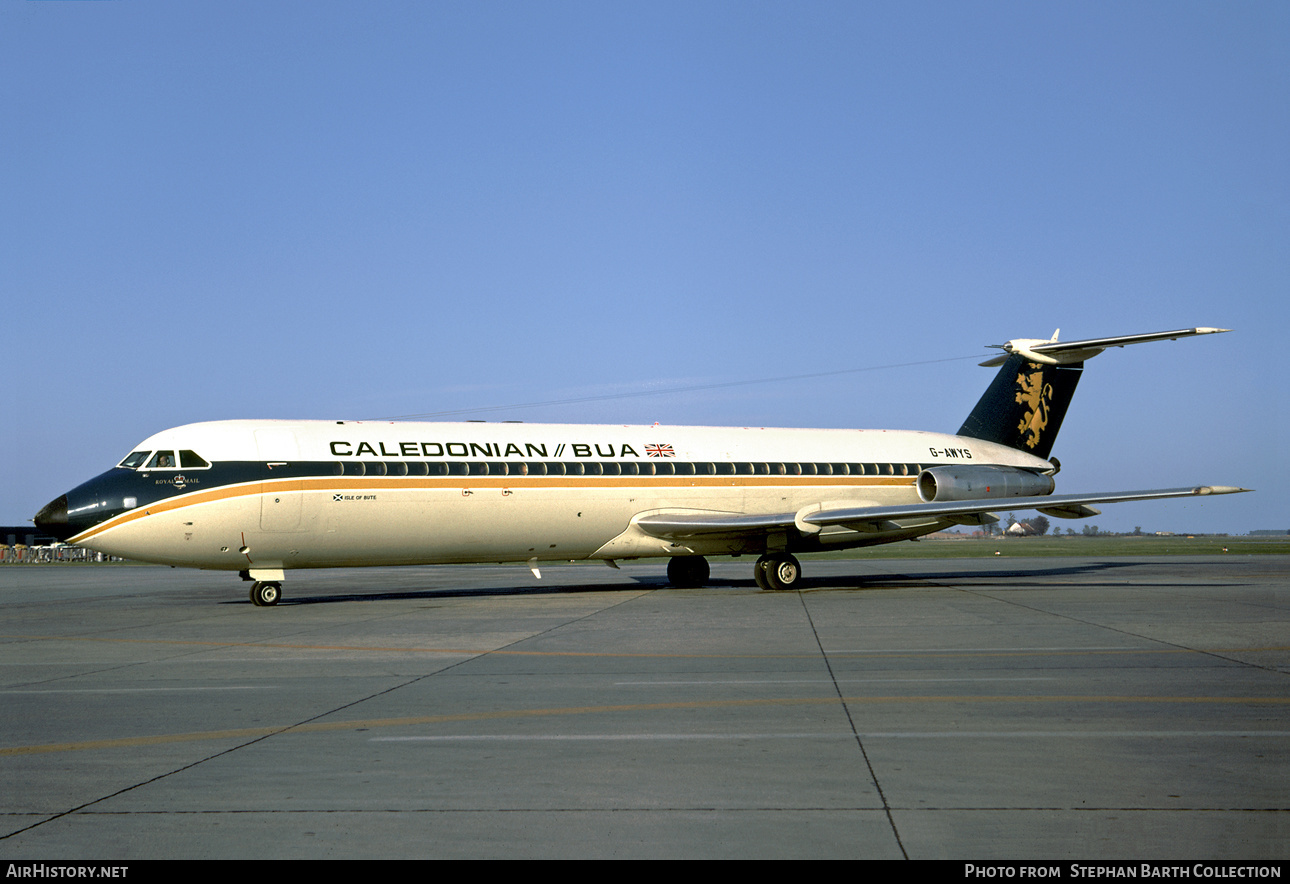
pixel 165 460
pixel 134 460
pixel 162 460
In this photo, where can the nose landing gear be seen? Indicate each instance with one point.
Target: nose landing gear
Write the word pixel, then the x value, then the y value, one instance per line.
pixel 265 595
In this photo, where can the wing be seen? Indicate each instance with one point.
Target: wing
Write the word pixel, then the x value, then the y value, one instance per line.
pixel 878 519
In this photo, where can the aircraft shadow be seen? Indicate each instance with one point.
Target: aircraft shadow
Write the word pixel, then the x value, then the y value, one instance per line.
pixel 1013 577
pixel 430 594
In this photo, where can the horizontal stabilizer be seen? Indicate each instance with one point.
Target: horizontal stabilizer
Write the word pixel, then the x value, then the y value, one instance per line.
pixel 1069 352
pixel 1026 402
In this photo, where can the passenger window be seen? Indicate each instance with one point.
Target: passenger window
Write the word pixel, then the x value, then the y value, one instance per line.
pixel 396 468
pixel 458 468
pixel 611 468
pixel 418 468
pixel 630 469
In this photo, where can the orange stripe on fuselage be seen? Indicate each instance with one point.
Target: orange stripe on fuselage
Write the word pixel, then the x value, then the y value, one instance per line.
pixel 337 483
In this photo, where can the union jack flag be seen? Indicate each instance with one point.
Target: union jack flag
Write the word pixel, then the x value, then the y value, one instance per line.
pixel 660 451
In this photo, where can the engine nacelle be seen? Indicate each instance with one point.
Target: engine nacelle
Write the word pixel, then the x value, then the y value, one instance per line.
pixel 981 483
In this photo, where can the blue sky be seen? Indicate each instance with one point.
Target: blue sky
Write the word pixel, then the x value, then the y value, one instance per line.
pixel 362 210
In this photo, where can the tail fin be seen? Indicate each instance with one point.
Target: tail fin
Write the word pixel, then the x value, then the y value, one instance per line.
pixel 1025 404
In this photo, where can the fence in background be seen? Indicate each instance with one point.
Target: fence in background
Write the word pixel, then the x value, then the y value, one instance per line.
pixel 20 554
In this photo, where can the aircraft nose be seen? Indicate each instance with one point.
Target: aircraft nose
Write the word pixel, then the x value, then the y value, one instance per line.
pixel 52 518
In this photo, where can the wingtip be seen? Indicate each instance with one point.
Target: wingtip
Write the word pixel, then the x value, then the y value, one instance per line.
pixel 1219 489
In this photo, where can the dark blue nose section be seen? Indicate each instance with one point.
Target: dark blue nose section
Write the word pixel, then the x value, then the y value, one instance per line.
pixel 52 519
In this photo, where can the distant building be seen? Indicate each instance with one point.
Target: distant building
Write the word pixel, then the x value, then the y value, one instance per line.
pixel 27 535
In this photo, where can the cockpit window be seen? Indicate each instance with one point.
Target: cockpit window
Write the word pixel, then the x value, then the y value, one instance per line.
pixel 162 460
pixel 133 461
pixel 191 460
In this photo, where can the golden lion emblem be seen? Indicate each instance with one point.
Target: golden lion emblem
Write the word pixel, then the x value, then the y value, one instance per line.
pixel 1037 397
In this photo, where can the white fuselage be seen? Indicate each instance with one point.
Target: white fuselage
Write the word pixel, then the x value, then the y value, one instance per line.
pixel 312 494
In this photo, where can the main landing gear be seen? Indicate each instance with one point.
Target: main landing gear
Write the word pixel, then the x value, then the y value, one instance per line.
pixel 773 571
pixel 687 572
pixel 265 595
pixel 777 571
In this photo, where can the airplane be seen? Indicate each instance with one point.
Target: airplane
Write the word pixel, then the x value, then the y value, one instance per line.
pixel 265 497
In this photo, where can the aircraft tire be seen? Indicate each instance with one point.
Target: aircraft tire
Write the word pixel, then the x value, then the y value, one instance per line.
pixel 265 595
pixel 759 573
pixel 782 572
pixel 688 572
